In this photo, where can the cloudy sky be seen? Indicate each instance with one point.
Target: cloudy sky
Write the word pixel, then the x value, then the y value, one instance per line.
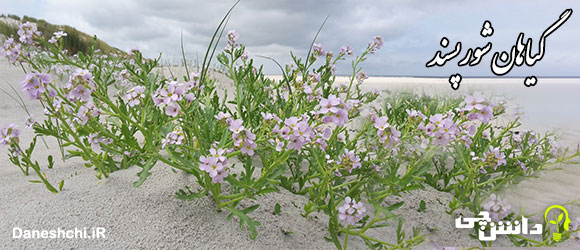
pixel 412 29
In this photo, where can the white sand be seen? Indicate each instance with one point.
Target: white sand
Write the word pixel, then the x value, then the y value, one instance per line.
pixel 151 217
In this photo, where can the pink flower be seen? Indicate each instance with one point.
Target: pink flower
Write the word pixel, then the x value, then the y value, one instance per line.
pixel 233 38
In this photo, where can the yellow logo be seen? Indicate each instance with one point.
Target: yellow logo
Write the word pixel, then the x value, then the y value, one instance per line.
pixel 557 235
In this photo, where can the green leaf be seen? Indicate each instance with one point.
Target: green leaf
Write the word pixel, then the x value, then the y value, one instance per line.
pixel 250 224
pixel 144 174
pixel 188 195
pixel 422 206
pixel 61 185
pixel 277 209
pixel 560 216
pixel 50 161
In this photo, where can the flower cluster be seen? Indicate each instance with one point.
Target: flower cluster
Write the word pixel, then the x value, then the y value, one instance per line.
pixel 9 134
pixel 233 37
pixel 494 157
pixel 375 44
pixel 175 137
pixel 35 84
pixel 57 35
pixel 351 211
pixel 317 50
pixel 345 50
pixel 168 96
pixel 334 109
pixel 29 122
pixel 388 134
pixel 11 50
pixel 95 141
pixel 479 107
pixel 349 160
pixel 244 139
pixel 214 164
pixel 496 207
pixel 80 86
pixel 135 95
pixel 27 31
pixel 442 128
pixel 86 112
pixel 296 131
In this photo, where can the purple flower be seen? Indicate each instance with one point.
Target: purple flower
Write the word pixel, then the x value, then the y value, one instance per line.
pixel 485 114
pixel 10 50
pixel 135 95
pixel 26 32
pixel 381 123
pixel 248 147
pixel 175 137
pixel 351 211
pixel 496 207
pixel 81 85
pixel 349 160
pixel 218 154
pixel 60 34
pixel 315 77
pixel 361 76
pixel 415 113
pixel 233 37
pixel 214 165
pixel 221 116
pixel 236 126
pixel 495 157
pixel 345 50
pixel 86 112
pixel 219 177
pixel 9 134
pixel 317 50
pixel 35 84
pixel 30 121
pixel 173 110
pixel 476 101
pixel 375 44
pixel 340 117
pixel 329 104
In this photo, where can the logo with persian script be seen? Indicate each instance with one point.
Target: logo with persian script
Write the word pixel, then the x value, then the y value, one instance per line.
pixel 488 229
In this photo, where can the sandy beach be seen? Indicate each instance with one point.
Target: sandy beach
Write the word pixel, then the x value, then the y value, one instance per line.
pixel 150 217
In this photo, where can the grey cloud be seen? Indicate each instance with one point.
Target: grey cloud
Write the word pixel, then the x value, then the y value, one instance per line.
pixel 411 28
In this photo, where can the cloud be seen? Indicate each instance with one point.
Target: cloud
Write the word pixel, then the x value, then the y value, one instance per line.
pixel 411 29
